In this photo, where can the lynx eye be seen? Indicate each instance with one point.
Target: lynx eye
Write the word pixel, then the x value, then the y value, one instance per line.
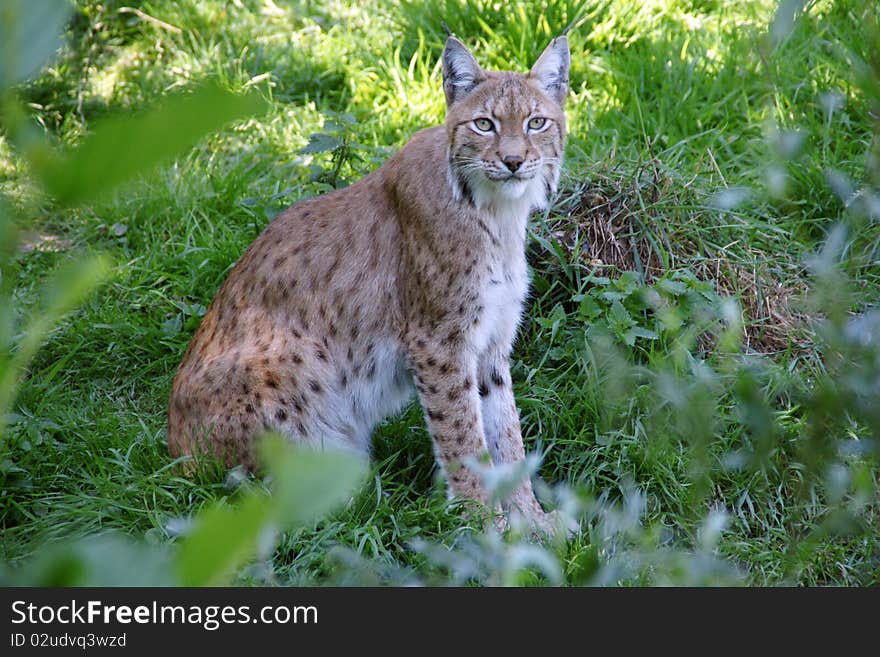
pixel 537 122
pixel 484 125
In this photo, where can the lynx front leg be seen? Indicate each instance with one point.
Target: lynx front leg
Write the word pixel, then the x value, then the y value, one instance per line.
pixel 502 428
pixel 448 393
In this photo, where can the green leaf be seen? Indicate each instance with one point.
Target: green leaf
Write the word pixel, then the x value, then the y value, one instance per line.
pixel 30 33
pixel 615 297
pixel 620 319
pixel 639 332
pixel 588 307
pixel 67 287
pixel 628 282
pixel 671 318
pixel 306 483
pixel 558 354
pixel 123 147
pixel 8 240
pixel 172 326
pixel 332 127
pixel 540 284
pixel 97 560
pixel 320 142
pixel 783 23
pixel 223 539
pixel 675 288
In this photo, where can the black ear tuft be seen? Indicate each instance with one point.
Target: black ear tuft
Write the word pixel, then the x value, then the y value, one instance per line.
pixel 461 73
pixel 551 69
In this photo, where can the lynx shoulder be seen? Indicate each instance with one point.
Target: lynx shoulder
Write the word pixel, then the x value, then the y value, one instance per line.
pixel 411 280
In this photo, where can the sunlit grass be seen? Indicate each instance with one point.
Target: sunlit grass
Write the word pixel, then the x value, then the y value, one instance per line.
pixel 672 103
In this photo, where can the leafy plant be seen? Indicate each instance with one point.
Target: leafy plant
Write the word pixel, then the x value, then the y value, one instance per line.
pixel 336 139
pixel 629 311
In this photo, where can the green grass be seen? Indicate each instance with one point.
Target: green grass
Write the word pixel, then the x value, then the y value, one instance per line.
pixel 673 102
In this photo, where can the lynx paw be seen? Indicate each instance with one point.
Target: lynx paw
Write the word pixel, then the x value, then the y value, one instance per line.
pixel 541 525
pixel 554 524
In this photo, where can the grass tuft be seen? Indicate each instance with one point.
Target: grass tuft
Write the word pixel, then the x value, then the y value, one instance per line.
pixel 692 367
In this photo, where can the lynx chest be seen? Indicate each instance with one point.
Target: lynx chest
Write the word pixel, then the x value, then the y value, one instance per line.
pixel 502 294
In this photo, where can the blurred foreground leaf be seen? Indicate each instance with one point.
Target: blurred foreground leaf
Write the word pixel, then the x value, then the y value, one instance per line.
pixel 66 289
pixel 123 147
pixel 307 484
pixel 29 35
pixel 224 538
pixel 104 560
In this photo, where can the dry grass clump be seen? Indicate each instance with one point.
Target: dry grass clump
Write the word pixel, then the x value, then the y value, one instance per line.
pixel 651 222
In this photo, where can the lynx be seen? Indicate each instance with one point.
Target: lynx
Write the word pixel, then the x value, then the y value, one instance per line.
pixel 411 279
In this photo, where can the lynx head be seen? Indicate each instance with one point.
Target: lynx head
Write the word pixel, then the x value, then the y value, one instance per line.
pixel 506 130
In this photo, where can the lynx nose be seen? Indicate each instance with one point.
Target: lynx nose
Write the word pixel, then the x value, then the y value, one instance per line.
pixel 512 162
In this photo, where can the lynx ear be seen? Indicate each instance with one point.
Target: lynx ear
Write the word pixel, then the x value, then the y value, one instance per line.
pixel 551 70
pixel 461 73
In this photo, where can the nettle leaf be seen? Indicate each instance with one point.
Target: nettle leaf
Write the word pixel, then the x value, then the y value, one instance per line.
pixel 122 147
pixel 558 319
pixel 639 300
pixel 588 307
pixel 321 142
pixel 619 317
pixel 639 332
pixel 674 288
pixel 612 296
pixel 628 282
pixel 552 320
